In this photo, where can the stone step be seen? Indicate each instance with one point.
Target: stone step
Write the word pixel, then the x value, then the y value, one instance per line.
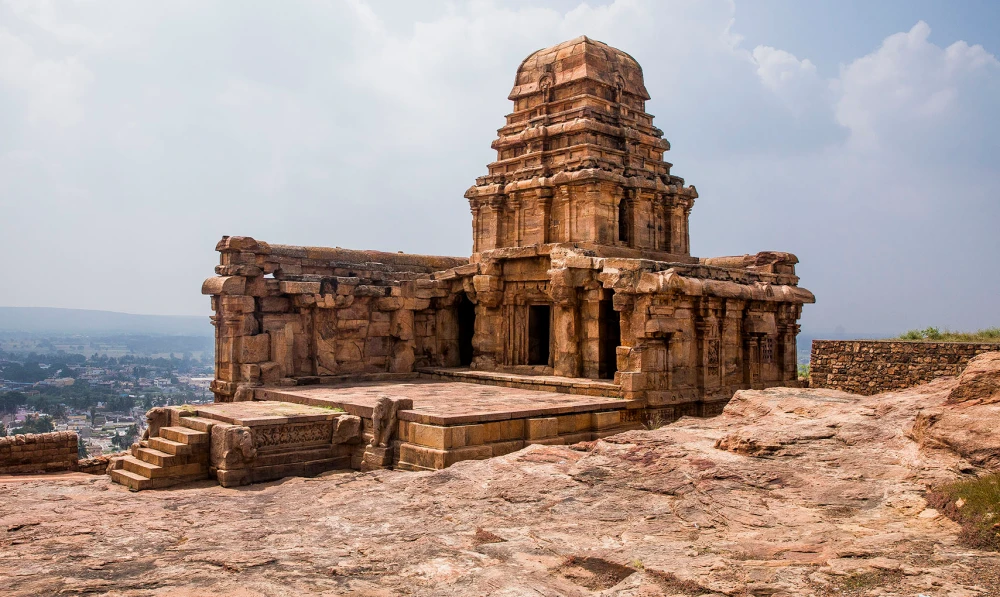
pixel 198 423
pixel 131 480
pixel 152 471
pixel 136 482
pixel 174 448
pixel 184 435
pixel 160 458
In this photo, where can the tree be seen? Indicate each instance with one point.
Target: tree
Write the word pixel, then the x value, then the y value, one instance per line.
pixel 10 401
pixel 35 424
pixel 57 410
pixel 29 372
pixel 122 442
pixel 81 448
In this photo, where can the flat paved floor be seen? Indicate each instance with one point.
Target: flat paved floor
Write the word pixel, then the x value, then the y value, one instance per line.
pixel 263 412
pixel 446 402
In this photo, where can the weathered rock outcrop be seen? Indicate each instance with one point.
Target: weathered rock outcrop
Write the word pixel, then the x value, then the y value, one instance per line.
pixel 979 381
pixel 788 492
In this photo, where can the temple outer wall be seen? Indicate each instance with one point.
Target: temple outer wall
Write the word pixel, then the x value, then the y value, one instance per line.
pixel 868 367
pixel 290 315
pixel 39 453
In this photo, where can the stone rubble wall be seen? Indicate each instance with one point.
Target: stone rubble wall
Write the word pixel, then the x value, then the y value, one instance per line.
pixel 97 465
pixel 869 367
pixel 39 452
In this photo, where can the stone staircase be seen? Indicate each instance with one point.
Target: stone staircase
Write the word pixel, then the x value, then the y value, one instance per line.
pixel 179 454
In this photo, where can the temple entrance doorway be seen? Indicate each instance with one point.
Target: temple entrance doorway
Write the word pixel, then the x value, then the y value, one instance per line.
pixel 609 334
pixel 466 329
pixel 539 323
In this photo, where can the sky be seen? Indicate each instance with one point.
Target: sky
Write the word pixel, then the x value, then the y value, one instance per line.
pixel 861 136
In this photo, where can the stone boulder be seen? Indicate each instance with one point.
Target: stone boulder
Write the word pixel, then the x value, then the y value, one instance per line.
pixel 966 423
pixel 979 381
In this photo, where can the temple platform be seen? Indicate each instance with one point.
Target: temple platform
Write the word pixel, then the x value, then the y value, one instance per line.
pixel 451 421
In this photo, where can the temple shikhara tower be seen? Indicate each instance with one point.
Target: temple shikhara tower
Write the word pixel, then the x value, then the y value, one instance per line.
pixel 581 297
pixel 580 161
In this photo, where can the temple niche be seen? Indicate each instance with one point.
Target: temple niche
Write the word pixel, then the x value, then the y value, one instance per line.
pixel 581 277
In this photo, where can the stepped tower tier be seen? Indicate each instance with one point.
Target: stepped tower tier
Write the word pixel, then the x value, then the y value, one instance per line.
pixel 579 161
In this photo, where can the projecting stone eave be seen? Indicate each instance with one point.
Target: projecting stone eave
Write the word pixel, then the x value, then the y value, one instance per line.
pixel 633 271
pixel 578 177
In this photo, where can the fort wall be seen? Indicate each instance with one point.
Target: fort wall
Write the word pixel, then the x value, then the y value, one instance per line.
pixel 39 452
pixel 869 367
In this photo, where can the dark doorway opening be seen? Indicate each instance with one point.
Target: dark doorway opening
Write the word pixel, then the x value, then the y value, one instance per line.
pixel 539 318
pixel 610 334
pixel 466 329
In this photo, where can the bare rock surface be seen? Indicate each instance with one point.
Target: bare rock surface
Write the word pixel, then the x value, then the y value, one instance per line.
pixel 789 492
pixel 980 380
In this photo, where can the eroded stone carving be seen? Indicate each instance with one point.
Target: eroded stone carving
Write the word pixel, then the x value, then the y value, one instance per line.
pixel 347 430
pixel 285 434
pixel 232 447
pixel 384 419
pixel 155 419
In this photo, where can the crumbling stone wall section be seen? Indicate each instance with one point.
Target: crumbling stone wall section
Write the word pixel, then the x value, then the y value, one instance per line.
pixel 39 452
pixel 289 315
pixel 694 334
pixel 869 367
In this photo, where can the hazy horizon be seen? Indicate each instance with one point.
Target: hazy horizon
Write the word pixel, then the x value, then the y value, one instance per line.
pixel 859 136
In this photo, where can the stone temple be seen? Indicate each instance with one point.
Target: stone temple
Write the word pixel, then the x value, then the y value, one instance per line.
pixel 581 298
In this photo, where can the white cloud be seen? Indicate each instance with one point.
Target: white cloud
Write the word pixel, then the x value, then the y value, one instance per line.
pixel 44 15
pixel 50 90
pixel 795 81
pixel 361 124
pixel 909 89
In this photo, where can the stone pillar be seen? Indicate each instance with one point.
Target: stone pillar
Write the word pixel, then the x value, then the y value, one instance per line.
pixel 564 224
pixel 616 199
pixel 233 320
pixel 515 205
pixel 476 231
pixel 490 223
pixel 447 334
pixel 590 215
pixel 565 328
pixel 545 205
pixel 685 224
pixel 787 353
pixel 731 344
pixel 590 328
pixel 677 230
pixel 487 342
pixel 565 333
pixel 708 355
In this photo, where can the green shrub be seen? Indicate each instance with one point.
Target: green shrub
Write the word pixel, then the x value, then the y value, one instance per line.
pixel 933 334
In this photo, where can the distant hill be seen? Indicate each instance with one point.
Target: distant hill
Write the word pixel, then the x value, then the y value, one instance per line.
pixel 48 320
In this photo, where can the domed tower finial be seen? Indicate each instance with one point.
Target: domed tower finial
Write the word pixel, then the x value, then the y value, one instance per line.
pixel 580 161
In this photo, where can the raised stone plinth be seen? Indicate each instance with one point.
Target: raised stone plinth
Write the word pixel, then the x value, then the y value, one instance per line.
pixel 240 443
pixel 454 421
